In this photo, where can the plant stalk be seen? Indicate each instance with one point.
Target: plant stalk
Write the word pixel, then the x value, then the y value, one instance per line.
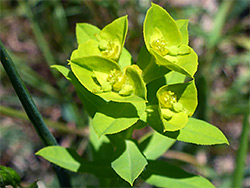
pixel 32 112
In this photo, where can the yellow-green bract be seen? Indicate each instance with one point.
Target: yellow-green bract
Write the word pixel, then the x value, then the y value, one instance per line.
pixel 167 40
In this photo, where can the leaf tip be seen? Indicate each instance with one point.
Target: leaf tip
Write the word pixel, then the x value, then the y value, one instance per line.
pixel 52 66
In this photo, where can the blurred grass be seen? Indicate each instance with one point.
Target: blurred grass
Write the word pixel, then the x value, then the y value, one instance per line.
pixel 242 153
pixel 40 33
pixel 60 127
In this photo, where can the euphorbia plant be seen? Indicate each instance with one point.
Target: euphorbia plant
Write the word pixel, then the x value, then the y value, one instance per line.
pixel 121 96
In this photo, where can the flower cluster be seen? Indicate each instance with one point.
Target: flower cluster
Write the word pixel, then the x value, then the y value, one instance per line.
pixel 104 68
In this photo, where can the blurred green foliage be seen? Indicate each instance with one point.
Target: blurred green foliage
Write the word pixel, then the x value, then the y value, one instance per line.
pixel 39 33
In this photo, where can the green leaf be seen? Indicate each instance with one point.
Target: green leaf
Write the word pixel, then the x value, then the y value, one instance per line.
pixel 174 78
pixel 186 64
pixel 85 31
pixel 162 174
pixel 155 145
pixel 183 27
pixel 68 158
pixel 94 140
pixel 177 122
pixel 116 31
pixel 125 59
pixel 136 101
pixel 88 48
pixel 199 132
pixel 159 18
pixel 114 117
pixel 129 162
pixel 8 176
pixel 136 81
pixel 101 148
pixel 91 102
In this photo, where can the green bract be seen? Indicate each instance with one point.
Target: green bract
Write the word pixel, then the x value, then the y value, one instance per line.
pixel 167 40
pixel 107 43
pixel 106 79
pixel 177 102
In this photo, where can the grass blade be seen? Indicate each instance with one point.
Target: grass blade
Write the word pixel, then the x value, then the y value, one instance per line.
pixel 241 154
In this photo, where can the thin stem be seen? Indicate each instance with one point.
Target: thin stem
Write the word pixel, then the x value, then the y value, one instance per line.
pixel 34 115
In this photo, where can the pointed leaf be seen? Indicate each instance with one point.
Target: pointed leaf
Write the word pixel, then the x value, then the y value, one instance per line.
pixel 116 31
pixel 159 18
pixel 129 162
pixel 125 59
pixel 101 148
pixel 185 64
pixel 183 27
pixel 68 158
pixel 85 31
pixel 174 78
pixel 177 122
pixel 199 132
pixel 156 145
pixel 162 174
pixel 136 101
pixel 114 117
pixel 88 48
pixel 188 62
pixel 136 79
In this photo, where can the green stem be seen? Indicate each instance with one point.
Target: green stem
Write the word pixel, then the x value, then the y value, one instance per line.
pixel 241 154
pixel 30 108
